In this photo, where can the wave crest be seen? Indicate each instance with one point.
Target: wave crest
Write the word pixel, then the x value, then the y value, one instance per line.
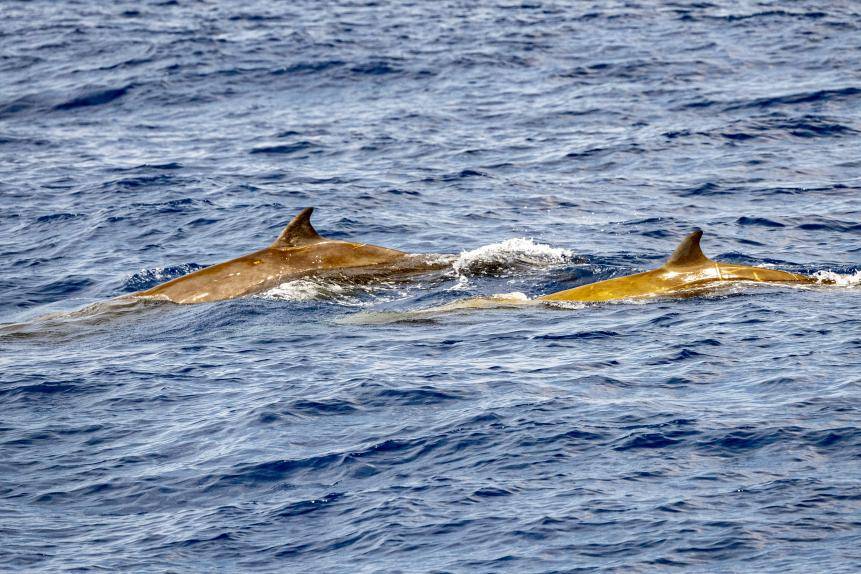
pixel 509 254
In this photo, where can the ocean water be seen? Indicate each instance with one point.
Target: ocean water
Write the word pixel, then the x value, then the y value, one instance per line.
pixel 541 145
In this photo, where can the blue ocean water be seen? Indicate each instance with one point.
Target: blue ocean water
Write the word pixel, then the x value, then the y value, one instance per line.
pixel 544 145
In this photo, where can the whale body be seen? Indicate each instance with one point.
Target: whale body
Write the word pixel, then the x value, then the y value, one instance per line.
pixel 298 252
pixel 687 271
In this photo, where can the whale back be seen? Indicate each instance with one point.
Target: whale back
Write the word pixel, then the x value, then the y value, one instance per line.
pixel 688 254
pixel 298 232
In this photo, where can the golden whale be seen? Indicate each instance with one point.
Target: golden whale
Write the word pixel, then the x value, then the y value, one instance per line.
pixel 298 252
pixel 686 273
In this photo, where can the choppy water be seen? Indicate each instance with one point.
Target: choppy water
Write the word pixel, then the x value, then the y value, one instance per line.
pixel 557 143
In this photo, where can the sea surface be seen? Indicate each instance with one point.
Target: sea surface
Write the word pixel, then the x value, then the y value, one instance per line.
pixel 321 427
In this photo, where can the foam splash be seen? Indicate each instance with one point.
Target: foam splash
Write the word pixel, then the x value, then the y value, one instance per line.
pixel 302 290
pixel 319 289
pixel 566 305
pixel 839 279
pixel 508 254
pixel 515 297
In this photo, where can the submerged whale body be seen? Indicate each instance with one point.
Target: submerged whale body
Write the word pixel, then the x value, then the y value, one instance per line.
pixel 299 251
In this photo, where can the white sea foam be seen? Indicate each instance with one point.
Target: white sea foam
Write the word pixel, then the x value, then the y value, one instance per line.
pixel 156 274
pixel 567 305
pixel 319 289
pixel 507 254
pixel 303 290
pixel 514 297
pixel 839 279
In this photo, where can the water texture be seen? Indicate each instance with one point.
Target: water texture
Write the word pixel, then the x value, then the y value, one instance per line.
pixel 553 144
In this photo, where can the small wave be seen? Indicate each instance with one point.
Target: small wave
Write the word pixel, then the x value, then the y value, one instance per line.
pixel 142 181
pixel 798 98
pixel 812 14
pixel 165 166
pixel 828 224
pixel 94 98
pixel 54 217
pixel 305 506
pixel 376 68
pixel 309 67
pixel 648 440
pixel 286 149
pixel 581 335
pixel 706 189
pixel 146 278
pixel 509 254
pixel 813 126
pixel 758 221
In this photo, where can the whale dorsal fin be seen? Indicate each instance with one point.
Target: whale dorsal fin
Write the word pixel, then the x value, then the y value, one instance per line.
pixel 688 253
pixel 298 232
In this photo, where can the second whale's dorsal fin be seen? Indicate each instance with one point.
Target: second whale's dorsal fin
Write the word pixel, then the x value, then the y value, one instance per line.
pixel 688 253
pixel 298 232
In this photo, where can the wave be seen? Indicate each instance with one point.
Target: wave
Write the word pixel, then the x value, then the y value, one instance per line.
pixel 785 100
pixel 93 98
pixel 147 278
pixel 286 149
pixel 510 254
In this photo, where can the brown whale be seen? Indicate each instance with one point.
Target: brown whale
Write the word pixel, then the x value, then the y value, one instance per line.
pixel 298 252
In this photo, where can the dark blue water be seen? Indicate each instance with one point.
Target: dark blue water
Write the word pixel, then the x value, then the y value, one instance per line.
pixel 141 140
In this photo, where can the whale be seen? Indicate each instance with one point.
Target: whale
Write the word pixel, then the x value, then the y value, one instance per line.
pixel 687 273
pixel 299 251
